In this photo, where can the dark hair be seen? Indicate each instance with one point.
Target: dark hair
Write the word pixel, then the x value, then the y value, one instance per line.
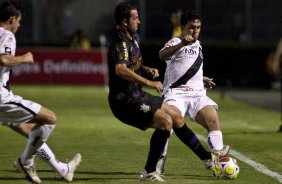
pixel 8 10
pixel 189 16
pixel 122 11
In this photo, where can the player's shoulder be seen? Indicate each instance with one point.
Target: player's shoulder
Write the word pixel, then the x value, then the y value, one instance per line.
pixel 7 35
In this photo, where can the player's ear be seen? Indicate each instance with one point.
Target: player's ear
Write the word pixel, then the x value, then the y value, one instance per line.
pixel 125 22
pixel 11 20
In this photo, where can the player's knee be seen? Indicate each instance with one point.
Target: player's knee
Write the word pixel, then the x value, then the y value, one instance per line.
pixel 52 118
pixel 166 123
pixel 213 125
pixel 178 119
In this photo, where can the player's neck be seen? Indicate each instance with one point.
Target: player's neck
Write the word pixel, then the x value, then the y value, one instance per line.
pixel 123 29
pixel 5 26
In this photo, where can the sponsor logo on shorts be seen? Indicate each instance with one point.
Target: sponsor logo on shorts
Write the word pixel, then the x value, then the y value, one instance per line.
pixel 145 108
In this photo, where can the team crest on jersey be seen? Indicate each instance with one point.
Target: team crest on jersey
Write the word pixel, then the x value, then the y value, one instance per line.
pixel 8 50
pixel 145 108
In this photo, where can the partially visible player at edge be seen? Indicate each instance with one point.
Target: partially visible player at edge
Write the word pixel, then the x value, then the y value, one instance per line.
pixel 28 118
pixel 184 84
pixel 135 107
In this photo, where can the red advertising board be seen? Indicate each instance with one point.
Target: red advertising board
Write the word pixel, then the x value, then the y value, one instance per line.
pixel 62 66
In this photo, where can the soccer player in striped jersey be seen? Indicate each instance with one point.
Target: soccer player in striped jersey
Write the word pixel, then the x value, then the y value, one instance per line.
pixel 184 84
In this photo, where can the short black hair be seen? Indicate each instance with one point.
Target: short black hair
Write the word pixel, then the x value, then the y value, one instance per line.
pixel 122 11
pixel 9 9
pixel 189 16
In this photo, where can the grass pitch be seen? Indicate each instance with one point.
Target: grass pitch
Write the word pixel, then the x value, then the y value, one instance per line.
pixel 116 153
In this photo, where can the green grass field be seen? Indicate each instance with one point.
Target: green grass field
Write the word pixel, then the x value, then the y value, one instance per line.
pixel 116 153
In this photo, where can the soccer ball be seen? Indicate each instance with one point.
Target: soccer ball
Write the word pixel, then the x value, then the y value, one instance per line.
pixel 226 167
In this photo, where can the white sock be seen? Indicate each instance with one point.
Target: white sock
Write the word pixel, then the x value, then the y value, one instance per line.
pixel 215 141
pixel 46 154
pixel 35 140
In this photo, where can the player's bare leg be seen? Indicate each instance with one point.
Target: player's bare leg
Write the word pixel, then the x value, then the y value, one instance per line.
pixel 208 118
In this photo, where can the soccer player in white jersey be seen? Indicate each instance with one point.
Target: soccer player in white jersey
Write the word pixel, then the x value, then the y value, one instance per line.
pixel 26 117
pixel 184 84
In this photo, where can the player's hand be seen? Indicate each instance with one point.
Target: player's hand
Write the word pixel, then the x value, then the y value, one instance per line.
pixel 156 85
pixel 187 39
pixel 208 82
pixel 28 58
pixel 154 73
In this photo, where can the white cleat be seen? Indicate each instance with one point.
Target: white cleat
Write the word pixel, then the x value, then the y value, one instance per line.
pixel 72 166
pixel 153 176
pixel 223 152
pixel 210 163
pixel 29 172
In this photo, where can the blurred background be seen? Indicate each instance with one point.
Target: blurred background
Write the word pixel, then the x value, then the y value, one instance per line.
pixel 237 37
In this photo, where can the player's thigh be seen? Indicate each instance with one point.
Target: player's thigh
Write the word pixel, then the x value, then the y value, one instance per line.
pixel 208 118
pixel 162 120
pixel 175 114
pixel 45 116
pixel 136 111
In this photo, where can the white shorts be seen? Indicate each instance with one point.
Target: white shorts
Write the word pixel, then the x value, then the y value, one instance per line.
pixel 14 109
pixel 189 105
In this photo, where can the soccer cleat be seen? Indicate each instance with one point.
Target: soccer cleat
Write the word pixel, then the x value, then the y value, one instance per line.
pixel 160 165
pixel 210 163
pixel 72 166
pixel 29 172
pixel 223 152
pixel 153 176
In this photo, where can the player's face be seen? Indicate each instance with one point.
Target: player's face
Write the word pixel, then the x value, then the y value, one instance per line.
pixel 193 28
pixel 133 22
pixel 15 24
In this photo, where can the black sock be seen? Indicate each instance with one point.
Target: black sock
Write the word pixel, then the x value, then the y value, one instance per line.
pixel 157 144
pixel 187 136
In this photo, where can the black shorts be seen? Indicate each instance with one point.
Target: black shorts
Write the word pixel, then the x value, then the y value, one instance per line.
pixel 137 112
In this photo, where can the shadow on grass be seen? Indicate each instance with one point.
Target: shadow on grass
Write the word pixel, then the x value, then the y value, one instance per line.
pixel 94 176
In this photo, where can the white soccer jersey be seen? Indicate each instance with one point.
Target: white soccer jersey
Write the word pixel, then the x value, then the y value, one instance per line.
pixel 190 96
pixel 13 109
pixel 179 63
pixel 7 46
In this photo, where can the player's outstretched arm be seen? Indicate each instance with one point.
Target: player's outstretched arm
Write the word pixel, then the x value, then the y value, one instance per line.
pixel 10 61
pixel 171 49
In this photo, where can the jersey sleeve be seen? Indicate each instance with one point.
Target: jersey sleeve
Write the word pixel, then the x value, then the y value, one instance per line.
pixel 122 52
pixel 8 46
pixel 171 42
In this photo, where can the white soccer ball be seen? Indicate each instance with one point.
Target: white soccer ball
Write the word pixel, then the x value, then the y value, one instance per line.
pixel 226 167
